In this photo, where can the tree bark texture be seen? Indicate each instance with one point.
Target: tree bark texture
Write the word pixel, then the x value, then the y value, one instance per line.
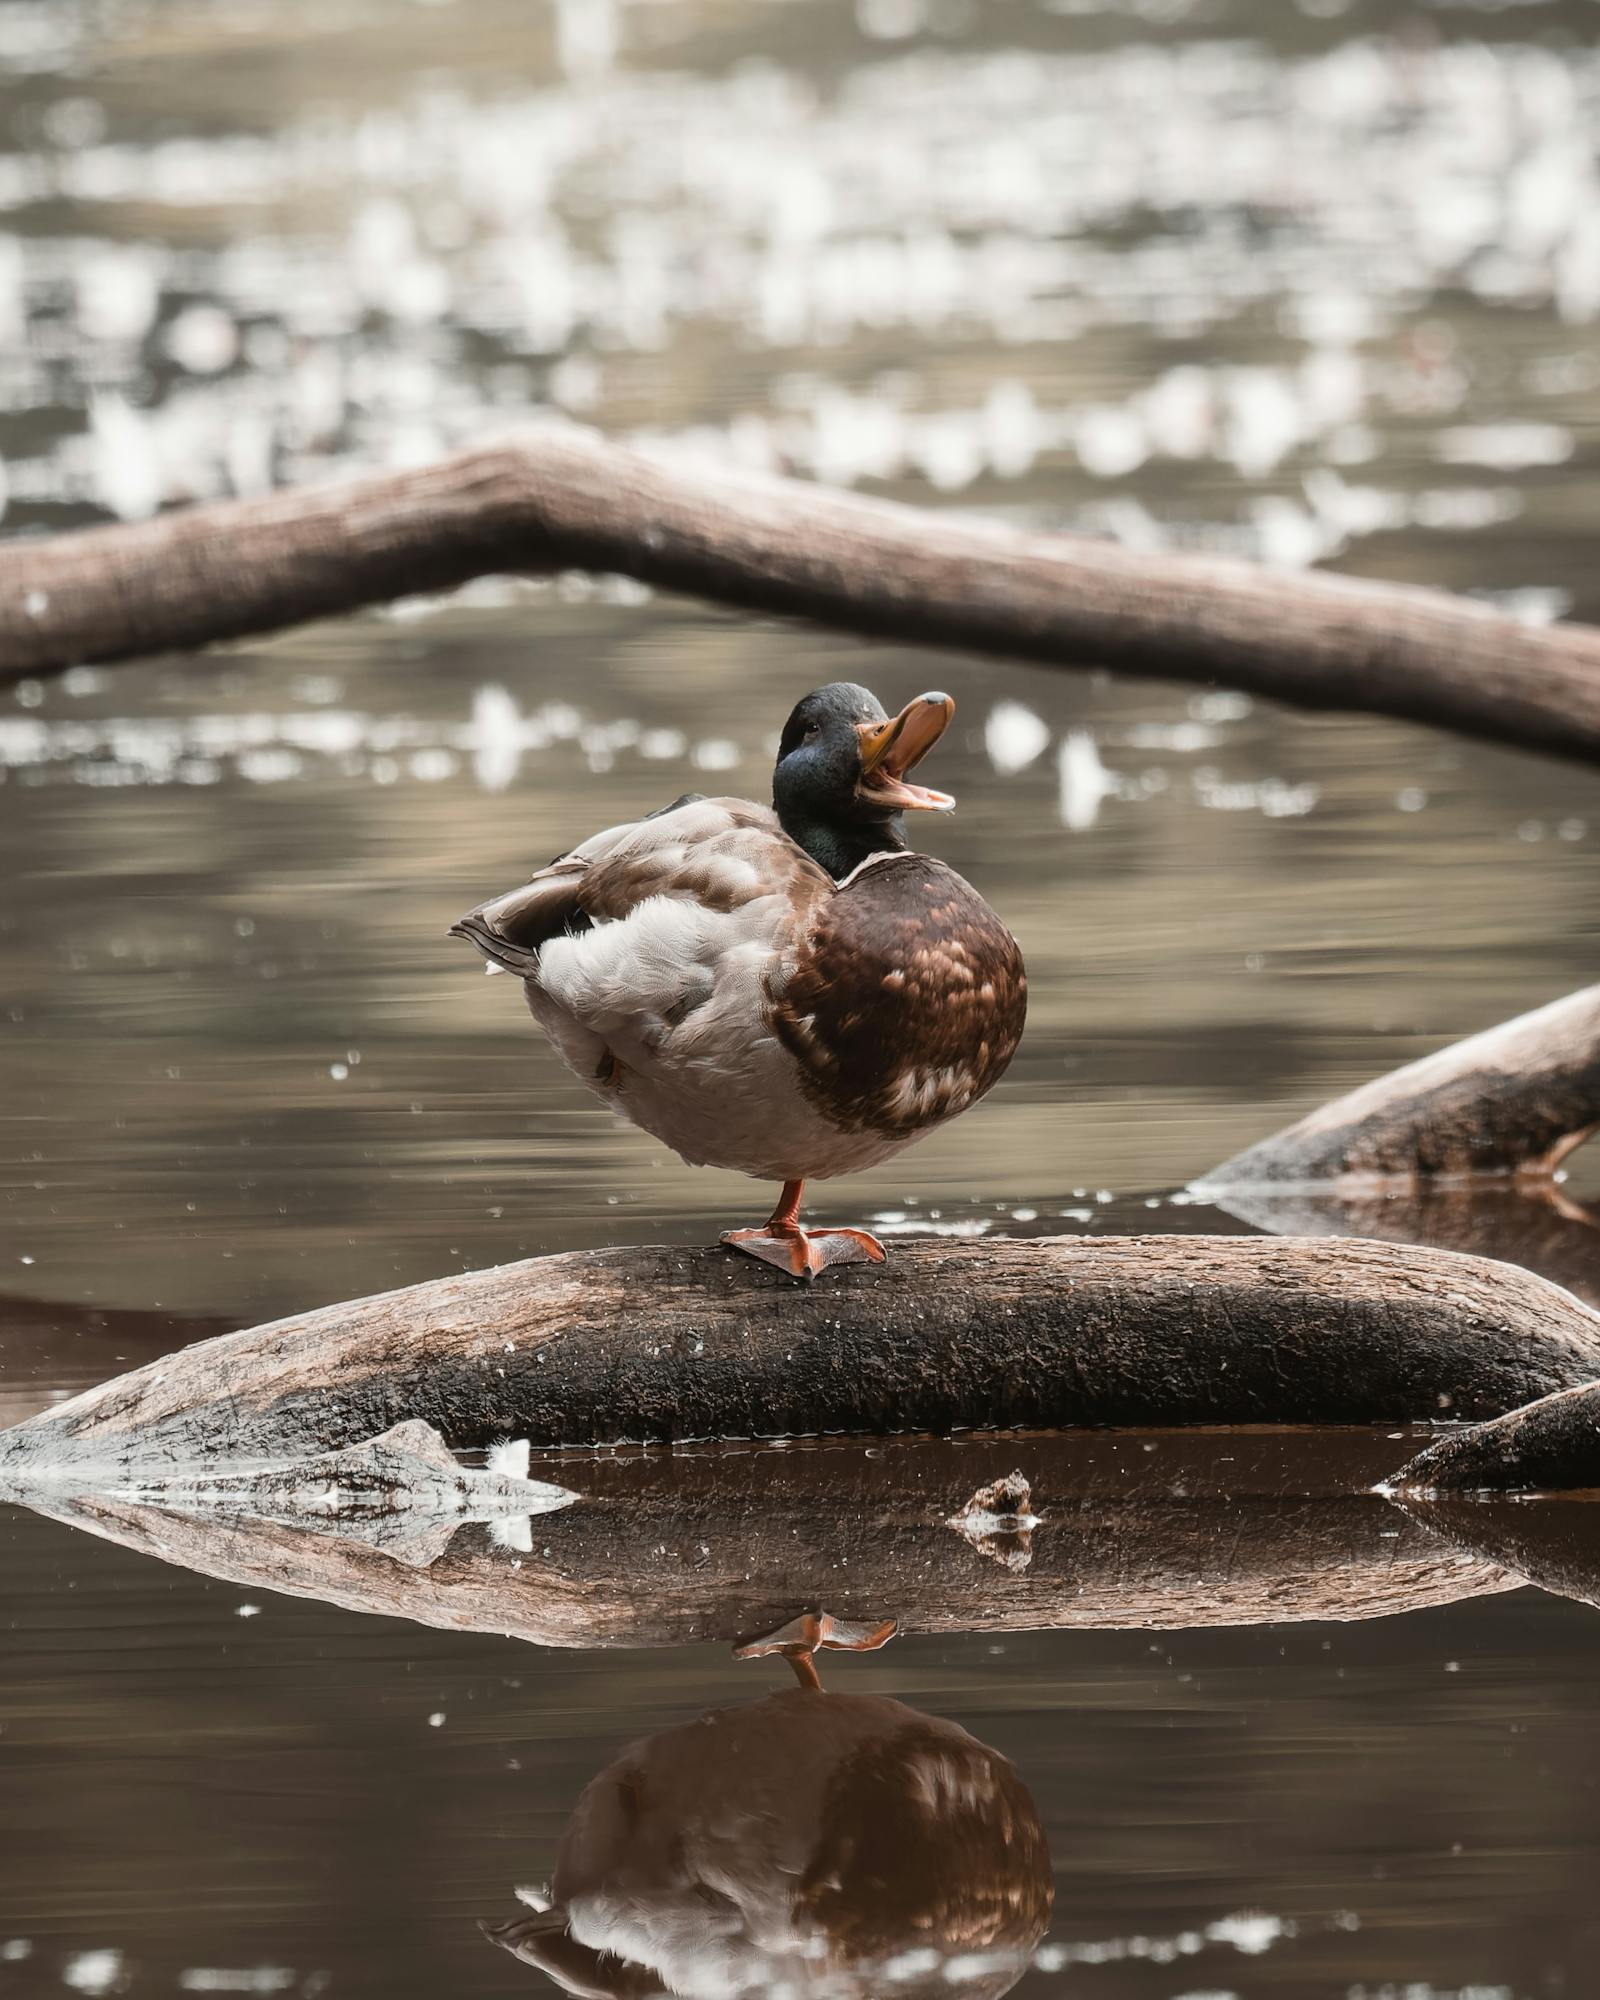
pixel 556 498
pixel 1552 1444
pixel 601 1347
pixel 1552 1543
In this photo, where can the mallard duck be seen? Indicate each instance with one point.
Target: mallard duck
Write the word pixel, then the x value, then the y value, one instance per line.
pixel 843 1846
pixel 787 991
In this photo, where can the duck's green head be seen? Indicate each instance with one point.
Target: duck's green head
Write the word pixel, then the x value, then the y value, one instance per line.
pixel 839 786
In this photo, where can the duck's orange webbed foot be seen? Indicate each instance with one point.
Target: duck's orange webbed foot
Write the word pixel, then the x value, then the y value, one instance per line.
pixel 802 1637
pixel 803 1252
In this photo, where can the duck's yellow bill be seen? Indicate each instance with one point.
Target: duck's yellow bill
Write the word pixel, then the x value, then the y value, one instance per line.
pixel 889 749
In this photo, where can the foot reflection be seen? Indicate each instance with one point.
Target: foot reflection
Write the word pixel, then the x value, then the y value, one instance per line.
pixel 809 1843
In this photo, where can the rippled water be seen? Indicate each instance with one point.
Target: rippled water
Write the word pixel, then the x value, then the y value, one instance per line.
pixel 1314 284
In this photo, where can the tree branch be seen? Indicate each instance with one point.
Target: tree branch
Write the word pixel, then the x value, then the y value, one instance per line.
pixel 1549 1543
pixel 1514 1100
pixel 1536 1227
pixel 559 498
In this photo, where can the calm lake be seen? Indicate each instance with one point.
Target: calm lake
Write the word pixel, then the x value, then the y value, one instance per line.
pixel 1314 283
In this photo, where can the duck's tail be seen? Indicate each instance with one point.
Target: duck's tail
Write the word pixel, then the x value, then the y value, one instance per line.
pixel 499 951
pixel 546 1943
pixel 509 929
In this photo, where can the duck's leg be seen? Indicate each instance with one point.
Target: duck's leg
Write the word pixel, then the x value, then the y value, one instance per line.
pixel 800 1252
pixel 800 1639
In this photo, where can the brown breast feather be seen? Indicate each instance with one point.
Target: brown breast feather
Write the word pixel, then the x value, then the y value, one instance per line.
pixel 907 998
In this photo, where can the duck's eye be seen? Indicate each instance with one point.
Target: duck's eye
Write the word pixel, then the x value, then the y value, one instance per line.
pixel 813 731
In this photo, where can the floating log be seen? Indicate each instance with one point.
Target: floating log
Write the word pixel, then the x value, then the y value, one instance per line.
pixel 1514 1100
pixel 1158 1531
pixel 559 497
pixel 609 1346
pixel 1551 1445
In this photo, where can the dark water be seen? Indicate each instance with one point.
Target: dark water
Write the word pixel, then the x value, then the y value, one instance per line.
pixel 210 1779
pixel 1312 284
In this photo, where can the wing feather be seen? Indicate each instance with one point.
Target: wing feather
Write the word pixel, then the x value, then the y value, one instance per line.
pixel 663 880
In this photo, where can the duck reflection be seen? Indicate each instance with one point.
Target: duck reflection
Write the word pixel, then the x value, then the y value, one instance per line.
pixel 811 1843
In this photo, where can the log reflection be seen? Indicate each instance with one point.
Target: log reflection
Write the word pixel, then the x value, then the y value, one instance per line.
pixel 1553 1543
pixel 1542 1229
pixel 811 1842
pixel 1146 1530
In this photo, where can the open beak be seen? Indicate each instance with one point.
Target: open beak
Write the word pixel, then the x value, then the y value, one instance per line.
pixel 889 749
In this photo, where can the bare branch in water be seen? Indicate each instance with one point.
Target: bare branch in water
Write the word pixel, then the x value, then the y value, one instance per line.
pixel 1514 1100
pixel 1552 1444
pixel 550 499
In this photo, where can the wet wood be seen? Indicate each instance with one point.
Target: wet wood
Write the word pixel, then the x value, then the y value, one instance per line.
pixel 563 498
pixel 1551 1445
pixel 606 1346
pixel 1514 1100
pixel 673 1547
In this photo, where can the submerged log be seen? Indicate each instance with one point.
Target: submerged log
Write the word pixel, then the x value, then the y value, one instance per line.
pixel 1514 1100
pixel 607 1346
pixel 1551 1445
pixel 563 498
pixel 1155 1531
